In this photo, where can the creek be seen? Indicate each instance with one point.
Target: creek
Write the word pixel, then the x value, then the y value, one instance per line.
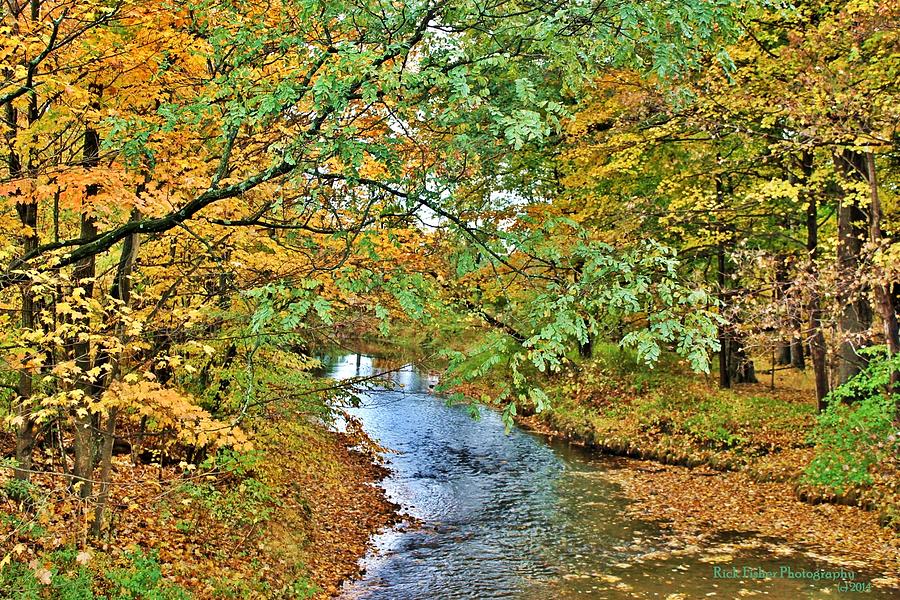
pixel 511 515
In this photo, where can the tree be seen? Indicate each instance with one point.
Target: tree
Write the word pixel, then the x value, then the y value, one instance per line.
pixel 207 172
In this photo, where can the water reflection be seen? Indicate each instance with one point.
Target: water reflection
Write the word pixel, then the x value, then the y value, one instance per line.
pixel 510 516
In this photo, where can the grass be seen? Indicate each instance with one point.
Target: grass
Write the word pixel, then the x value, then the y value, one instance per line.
pixel 619 405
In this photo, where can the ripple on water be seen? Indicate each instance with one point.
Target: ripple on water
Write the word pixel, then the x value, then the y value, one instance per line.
pixel 509 516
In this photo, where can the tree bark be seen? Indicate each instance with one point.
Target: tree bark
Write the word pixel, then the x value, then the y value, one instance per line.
pixel 783 354
pixel 121 290
pixel 734 367
pixel 84 425
pixel 25 432
pixel 785 349
pixel 724 342
pixel 83 277
pixel 856 315
pixel 817 348
pixel 722 282
pixel 586 349
pixel 740 367
pixel 798 356
pixel 883 301
pixel 27 212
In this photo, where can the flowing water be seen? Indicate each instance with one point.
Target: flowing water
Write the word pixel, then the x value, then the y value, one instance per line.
pixel 508 515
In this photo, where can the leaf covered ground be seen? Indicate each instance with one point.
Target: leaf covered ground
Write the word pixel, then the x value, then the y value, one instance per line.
pixel 703 501
pixel 290 523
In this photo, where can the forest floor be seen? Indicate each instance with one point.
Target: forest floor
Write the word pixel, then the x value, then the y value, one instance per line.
pixel 290 523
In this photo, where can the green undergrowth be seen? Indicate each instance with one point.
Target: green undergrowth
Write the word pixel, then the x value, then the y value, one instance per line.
pixel 65 575
pixel 618 405
pixel 858 439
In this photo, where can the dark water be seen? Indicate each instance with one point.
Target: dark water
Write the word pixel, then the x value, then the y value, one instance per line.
pixel 511 516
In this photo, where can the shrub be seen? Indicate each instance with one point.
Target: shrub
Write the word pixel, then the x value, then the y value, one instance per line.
pixel 239 498
pixel 142 580
pixel 856 431
pixel 60 576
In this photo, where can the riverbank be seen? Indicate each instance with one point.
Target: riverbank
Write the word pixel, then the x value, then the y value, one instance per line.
pixel 666 415
pixel 289 519
pixel 699 504
pixel 336 505
pixel 705 461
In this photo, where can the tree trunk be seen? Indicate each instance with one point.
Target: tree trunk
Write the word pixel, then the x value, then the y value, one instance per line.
pixel 121 290
pixel 817 349
pixel 83 276
pixel 856 314
pixel 25 432
pixel 722 281
pixel 782 355
pixel 724 345
pixel 883 301
pixel 27 212
pixel 791 349
pixel 740 367
pixel 798 356
pixel 84 425
pixel 586 350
